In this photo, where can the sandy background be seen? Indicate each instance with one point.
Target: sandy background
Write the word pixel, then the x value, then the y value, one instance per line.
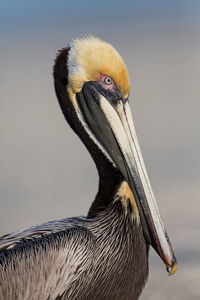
pixel 45 171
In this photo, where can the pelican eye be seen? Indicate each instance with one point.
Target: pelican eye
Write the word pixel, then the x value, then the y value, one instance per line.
pixel 108 80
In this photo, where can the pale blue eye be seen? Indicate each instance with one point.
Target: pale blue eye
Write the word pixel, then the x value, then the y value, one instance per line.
pixel 108 80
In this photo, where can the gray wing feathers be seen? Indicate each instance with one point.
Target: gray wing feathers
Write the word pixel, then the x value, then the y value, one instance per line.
pixel 49 267
pixel 11 240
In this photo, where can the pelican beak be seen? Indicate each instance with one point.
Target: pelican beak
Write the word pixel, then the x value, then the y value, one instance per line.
pixel 110 120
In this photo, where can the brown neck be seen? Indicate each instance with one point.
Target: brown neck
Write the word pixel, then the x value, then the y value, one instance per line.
pixel 109 181
pixel 109 177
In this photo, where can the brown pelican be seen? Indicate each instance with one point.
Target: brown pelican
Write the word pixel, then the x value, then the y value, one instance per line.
pixel 103 255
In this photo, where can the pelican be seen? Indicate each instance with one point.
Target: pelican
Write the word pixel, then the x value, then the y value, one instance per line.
pixel 104 255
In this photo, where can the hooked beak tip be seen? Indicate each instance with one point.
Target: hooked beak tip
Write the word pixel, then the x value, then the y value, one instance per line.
pixel 172 268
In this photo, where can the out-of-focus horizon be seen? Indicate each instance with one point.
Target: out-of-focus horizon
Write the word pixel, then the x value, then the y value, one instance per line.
pixel 45 171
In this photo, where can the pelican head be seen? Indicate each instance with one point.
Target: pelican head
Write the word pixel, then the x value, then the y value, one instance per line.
pixel 93 88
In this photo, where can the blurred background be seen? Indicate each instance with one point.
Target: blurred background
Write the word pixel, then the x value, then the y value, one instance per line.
pixel 45 171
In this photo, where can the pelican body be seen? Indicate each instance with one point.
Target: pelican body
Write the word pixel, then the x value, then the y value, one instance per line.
pixel 104 255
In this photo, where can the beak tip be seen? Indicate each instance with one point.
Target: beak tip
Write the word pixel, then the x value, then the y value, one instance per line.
pixel 171 269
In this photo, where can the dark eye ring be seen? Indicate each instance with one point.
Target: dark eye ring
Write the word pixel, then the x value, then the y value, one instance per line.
pixel 108 80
